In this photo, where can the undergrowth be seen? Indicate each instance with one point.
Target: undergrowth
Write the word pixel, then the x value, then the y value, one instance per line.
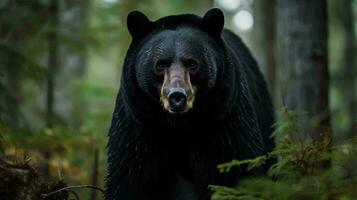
pixel 306 169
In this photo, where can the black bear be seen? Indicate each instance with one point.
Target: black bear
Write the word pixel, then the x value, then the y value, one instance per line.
pixel 191 97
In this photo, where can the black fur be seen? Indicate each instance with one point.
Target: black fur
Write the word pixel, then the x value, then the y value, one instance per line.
pixel 152 155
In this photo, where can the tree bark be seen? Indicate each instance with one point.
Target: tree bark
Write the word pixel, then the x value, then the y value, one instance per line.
pixel 52 61
pixel 349 65
pixel 95 173
pixel 264 40
pixel 302 33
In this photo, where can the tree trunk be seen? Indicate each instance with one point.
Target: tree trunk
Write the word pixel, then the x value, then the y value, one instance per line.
pixel 72 50
pixel 264 40
pixel 52 61
pixel 302 33
pixel 349 65
pixel 95 171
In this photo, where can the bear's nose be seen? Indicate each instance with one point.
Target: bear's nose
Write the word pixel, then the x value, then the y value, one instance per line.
pixel 177 98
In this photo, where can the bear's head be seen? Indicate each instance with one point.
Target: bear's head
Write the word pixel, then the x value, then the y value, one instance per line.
pixel 177 58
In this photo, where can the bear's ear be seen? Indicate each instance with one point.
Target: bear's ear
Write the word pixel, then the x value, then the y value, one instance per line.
pixel 213 22
pixel 138 25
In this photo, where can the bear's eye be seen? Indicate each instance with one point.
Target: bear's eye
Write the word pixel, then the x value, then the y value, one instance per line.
pixel 192 66
pixel 160 66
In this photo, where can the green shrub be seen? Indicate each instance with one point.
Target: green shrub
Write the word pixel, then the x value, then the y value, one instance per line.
pixel 306 169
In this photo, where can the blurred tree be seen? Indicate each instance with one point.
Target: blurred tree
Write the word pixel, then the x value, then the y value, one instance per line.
pixel 20 25
pixel 32 32
pixel 264 40
pixel 342 44
pixel 72 54
pixel 302 33
pixel 349 71
pixel 52 61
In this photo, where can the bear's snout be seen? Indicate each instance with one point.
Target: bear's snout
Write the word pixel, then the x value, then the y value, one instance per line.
pixel 177 99
pixel 177 94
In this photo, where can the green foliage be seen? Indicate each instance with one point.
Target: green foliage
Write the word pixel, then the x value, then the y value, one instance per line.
pixel 306 169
